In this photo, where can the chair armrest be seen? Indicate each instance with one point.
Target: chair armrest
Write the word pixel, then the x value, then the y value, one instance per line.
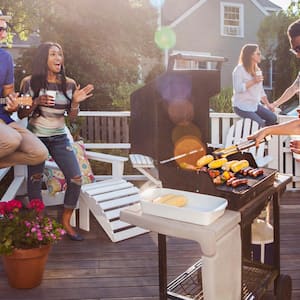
pixel 3 172
pixel 105 157
pixel 117 162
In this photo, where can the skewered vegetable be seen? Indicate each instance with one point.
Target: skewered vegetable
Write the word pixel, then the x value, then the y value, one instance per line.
pixel 213 173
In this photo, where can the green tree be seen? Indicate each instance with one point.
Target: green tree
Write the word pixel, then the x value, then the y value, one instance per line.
pixel 102 40
pixel 26 15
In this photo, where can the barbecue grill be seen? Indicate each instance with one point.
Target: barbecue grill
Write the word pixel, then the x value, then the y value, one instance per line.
pixel 173 176
pixel 174 108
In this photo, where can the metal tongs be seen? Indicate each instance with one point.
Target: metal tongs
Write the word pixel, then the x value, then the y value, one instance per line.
pixel 224 152
pixel 181 156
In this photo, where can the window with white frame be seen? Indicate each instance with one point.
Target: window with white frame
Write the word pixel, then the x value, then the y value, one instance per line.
pixel 184 63
pixel 232 19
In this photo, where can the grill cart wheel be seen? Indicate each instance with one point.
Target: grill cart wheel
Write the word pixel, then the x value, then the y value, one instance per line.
pixel 284 288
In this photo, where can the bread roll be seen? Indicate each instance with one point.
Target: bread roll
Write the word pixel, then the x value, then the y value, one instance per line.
pixel 172 199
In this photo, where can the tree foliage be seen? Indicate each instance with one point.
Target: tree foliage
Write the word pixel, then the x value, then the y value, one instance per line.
pixel 26 15
pixel 102 40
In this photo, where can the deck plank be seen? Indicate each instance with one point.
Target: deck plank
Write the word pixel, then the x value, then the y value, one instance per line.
pixel 99 269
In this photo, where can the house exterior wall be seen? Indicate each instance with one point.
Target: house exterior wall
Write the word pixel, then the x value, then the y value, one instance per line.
pixel 201 32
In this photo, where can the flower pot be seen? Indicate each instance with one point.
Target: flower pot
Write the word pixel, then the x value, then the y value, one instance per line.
pixel 25 267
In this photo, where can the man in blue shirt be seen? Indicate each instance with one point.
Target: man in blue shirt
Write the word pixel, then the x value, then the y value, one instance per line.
pixel 17 144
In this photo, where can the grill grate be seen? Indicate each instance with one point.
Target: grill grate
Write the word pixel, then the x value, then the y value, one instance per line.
pixel 188 285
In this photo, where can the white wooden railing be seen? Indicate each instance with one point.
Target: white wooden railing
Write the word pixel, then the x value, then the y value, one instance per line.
pixel 278 147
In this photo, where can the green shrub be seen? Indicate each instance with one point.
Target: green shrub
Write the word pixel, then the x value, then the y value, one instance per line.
pixel 222 101
pixel 120 95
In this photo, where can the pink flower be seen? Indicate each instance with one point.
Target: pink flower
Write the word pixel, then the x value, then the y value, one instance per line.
pixel 26 228
pixel 36 204
pixel 13 205
pixel 2 208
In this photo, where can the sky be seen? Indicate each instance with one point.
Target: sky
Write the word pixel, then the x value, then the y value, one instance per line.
pixel 282 3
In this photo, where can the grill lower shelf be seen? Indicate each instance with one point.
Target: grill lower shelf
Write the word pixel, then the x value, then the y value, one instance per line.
pixel 188 285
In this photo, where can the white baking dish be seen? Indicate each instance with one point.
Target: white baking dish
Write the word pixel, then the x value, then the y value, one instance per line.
pixel 200 209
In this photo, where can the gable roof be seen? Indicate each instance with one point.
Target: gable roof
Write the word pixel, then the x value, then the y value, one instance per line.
pixel 269 5
pixel 265 6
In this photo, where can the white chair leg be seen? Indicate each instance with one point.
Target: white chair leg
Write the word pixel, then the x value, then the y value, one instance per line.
pixel 84 215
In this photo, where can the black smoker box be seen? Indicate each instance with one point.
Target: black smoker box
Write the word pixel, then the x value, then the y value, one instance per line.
pixel 173 98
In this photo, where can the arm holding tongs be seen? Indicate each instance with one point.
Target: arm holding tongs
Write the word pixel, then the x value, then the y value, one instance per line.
pixel 237 148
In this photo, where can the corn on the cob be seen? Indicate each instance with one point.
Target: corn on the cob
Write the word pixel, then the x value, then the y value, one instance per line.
pixel 204 160
pixel 170 199
pixel 228 164
pixel 241 164
pixel 218 163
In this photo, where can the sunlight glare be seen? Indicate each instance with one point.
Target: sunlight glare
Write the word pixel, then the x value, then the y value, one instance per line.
pixel 165 38
pixel 157 3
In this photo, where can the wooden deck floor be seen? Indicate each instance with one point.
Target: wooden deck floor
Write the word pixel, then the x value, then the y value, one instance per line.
pixel 99 269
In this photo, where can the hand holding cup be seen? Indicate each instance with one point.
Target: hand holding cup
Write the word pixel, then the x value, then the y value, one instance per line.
pixel 258 76
pixel 48 99
pixel 295 146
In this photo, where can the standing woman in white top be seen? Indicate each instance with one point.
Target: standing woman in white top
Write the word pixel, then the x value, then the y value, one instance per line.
pixel 248 93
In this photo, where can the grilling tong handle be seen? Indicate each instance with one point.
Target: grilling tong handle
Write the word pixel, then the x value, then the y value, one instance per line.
pixel 220 152
pixel 238 148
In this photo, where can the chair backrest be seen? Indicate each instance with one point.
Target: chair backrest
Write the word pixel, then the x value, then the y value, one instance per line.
pixel 240 131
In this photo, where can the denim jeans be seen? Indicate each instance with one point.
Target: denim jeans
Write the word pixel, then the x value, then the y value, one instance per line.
pixel 61 151
pixel 263 116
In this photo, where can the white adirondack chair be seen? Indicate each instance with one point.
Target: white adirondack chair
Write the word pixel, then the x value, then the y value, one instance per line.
pixel 145 165
pixel 104 199
pixel 239 132
pixel 18 185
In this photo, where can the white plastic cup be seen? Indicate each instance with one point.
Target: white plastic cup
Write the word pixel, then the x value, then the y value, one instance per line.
pixel 51 93
pixel 258 73
pixel 295 138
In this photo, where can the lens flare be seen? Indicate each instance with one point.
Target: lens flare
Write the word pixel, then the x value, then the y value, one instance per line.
pixel 165 38
pixel 186 144
pixel 174 87
pixel 190 129
pixel 157 3
pixel 181 112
